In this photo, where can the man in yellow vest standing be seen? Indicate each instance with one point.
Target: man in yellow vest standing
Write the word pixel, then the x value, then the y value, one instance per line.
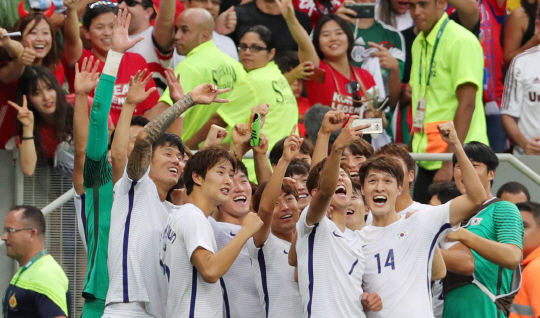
pixel 447 81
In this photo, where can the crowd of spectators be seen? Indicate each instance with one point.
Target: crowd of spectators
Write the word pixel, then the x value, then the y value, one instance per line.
pixel 91 87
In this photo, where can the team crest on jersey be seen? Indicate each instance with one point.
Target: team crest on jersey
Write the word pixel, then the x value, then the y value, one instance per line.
pixel 536 81
pixel 402 235
pixel 12 301
pixel 476 221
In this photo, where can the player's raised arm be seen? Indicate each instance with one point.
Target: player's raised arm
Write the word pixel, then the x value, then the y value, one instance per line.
pixel 332 121
pixel 463 206
pixel 330 172
pixel 140 157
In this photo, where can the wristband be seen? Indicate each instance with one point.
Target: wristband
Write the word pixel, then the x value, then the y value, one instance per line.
pixel 27 138
pixel 112 63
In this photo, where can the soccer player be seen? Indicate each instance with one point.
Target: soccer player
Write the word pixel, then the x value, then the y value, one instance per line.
pixel 136 283
pixel 191 261
pixel 239 290
pixel 399 251
pixel 330 258
pixel 357 211
pixel 299 171
pixel 269 249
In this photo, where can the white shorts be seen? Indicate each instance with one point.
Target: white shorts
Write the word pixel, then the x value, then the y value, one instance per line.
pixel 126 310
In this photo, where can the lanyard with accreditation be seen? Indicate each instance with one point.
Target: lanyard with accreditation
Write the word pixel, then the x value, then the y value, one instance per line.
pixel 418 120
pixel 9 291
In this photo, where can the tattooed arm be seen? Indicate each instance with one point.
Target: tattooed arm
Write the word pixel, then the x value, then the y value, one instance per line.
pixel 140 157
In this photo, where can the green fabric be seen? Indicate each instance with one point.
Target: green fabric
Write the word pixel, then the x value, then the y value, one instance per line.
pixel 204 64
pixel 264 85
pixel 458 60
pixel 384 35
pixel 46 277
pixel 99 192
pixel 93 308
pixel 501 222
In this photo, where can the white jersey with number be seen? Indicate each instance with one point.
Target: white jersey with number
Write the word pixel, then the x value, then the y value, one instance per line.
pixel 137 219
pixel 278 291
pixel 330 269
pixel 521 98
pixel 189 295
pixel 240 297
pixel 399 259
pixel 415 206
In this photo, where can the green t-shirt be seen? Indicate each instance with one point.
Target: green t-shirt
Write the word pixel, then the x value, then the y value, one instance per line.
pixel 500 222
pixel 264 85
pixel 458 60
pixel 381 34
pixel 204 64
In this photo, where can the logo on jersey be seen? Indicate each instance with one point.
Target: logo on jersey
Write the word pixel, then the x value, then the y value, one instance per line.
pixel 285 252
pixel 232 234
pixel 337 235
pixel 402 235
pixel 476 221
pixel 536 81
pixel 534 97
pixel 12 301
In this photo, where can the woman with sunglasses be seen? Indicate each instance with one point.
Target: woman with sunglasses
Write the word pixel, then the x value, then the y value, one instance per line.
pixel 98 28
pixel 330 52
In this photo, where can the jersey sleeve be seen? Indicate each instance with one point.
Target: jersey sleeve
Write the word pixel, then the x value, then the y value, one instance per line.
pixel 196 233
pixel 48 308
pixel 304 229
pixel 122 186
pixel 434 218
pixel 513 91
pixel 467 62
pixel 508 224
pixel 398 52
pixel 241 100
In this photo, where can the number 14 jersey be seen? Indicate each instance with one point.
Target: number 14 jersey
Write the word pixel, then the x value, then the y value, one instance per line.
pixel 398 262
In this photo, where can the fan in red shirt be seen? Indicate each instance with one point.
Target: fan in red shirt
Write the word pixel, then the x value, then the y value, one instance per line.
pixel 98 28
pixel 315 9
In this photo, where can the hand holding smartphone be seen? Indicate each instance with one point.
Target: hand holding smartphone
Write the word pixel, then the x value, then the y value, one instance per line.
pixel 318 75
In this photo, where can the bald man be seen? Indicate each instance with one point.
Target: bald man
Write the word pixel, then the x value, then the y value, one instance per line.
pixel 40 288
pixel 204 63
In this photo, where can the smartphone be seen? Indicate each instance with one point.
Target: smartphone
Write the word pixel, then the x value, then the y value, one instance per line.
pixel 375 128
pixel 255 138
pixel 318 75
pixel 363 10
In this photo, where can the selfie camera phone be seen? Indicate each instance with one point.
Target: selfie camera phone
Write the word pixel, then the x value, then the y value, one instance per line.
pixel 375 128
pixel 363 10
pixel 318 75
pixel 255 138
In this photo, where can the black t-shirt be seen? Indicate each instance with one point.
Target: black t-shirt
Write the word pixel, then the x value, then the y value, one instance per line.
pixel 249 15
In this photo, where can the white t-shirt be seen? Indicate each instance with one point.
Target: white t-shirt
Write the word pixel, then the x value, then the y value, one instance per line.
pixel 137 219
pixel 278 291
pixel 80 211
pixel 521 98
pixel 224 43
pixel 399 259
pixel 330 269
pixel 189 295
pixel 415 206
pixel 240 296
pixel 156 60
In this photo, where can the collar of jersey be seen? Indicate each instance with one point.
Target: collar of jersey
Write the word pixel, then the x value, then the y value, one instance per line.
pixel 201 46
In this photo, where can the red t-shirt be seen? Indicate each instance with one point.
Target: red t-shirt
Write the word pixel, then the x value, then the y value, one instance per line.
pixel 303 106
pixel 59 74
pixel 314 9
pixel 129 66
pixel 337 98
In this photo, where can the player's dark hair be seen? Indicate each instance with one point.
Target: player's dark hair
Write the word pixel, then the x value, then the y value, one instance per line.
pixel 477 151
pixel 297 167
pixel 306 148
pixel 168 139
pixel 530 8
pixel 357 187
pixel 202 161
pixel 513 187
pixel 531 207
pixel 257 196
pixel 382 164
pixel 95 9
pixel 315 174
pixel 241 167
pixel 344 25
pixel 361 147
pixel 139 121
pixel 265 35
pixel 313 120
pixel 395 150
pixel 287 61
pixel 445 191
pixel 32 215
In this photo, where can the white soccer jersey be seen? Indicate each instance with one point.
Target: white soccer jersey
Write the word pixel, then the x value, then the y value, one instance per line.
pixel 521 98
pixel 240 296
pixel 189 295
pixel 80 211
pixel 399 259
pixel 330 269
pixel 137 219
pixel 157 62
pixel 415 206
pixel 278 292
pixel 224 43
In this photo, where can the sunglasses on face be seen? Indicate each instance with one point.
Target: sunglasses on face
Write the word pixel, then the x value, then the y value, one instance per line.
pixel 103 4
pixel 132 3
pixel 254 48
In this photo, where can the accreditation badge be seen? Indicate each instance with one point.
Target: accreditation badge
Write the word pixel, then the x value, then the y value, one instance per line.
pixel 419 115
